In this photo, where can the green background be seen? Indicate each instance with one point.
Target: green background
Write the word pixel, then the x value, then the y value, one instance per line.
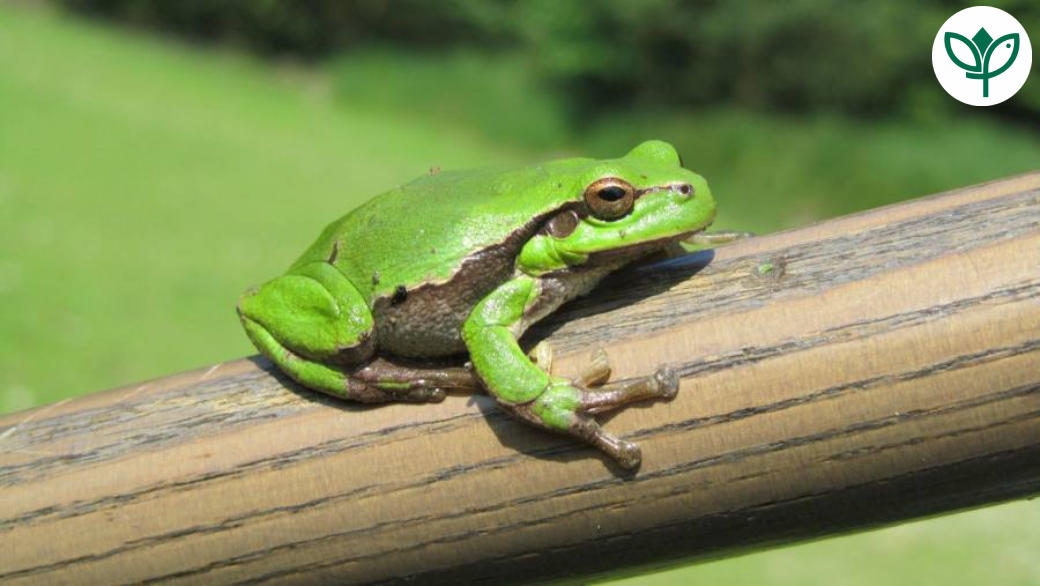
pixel 145 180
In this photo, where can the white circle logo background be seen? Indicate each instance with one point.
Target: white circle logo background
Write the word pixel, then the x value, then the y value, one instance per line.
pixel 967 23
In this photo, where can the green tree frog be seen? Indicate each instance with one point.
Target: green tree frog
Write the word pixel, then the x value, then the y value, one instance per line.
pixel 461 262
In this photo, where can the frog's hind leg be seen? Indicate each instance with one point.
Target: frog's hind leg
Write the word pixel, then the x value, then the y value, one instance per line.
pixel 418 381
pixel 369 383
pixel 316 327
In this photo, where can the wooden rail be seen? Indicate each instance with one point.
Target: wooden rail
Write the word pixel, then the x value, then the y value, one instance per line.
pixel 853 373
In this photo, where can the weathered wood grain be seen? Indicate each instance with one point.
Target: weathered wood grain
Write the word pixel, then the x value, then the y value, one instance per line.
pixel 885 368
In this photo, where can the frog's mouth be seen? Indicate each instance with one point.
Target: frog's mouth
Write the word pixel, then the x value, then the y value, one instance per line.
pixel 639 249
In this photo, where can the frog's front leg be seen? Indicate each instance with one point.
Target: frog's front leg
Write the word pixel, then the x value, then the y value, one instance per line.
pixel 315 326
pixel 531 394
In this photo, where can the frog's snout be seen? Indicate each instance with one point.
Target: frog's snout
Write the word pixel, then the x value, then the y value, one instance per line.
pixel 250 292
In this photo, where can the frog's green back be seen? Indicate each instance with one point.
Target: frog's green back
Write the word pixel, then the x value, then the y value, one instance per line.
pixel 463 212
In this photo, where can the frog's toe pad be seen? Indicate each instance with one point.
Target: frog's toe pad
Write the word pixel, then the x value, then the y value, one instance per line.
pixel 667 380
pixel 629 455
pixel 542 355
pixel 597 371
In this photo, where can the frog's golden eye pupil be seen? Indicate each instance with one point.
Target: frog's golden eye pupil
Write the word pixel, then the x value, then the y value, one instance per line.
pixel 613 193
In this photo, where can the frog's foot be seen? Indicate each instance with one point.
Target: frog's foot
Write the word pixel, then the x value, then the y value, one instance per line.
pixel 597 371
pixel 393 380
pixel 526 389
pixel 317 328
pixel 358 390
pixel 375 382
pixel 570 407
pixel 542 355
pixel 601 396
pixel 627 454
pixel 662 384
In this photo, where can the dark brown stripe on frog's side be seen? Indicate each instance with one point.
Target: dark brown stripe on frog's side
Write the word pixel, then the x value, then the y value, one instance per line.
pixel 450 301
pixel 488 268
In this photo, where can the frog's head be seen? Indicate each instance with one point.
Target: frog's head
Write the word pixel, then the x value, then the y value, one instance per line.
pixel 641 200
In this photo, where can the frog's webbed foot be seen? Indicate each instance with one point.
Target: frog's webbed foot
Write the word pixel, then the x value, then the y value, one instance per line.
pixel 523 385
pixel 595 373
pixel 385 380
pixel 372 392
pixel 570 406
pixel 600 398
pixel 542 355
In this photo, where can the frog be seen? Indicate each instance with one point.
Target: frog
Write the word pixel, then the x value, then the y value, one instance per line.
pixel 393 297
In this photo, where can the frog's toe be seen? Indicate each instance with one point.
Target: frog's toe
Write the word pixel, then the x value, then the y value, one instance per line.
pixel 662 384
pixel 667 381
pixel 629 455
pixel 597 371
pixel 542 355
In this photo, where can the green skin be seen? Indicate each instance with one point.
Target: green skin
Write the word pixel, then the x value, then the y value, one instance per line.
pixel 465 261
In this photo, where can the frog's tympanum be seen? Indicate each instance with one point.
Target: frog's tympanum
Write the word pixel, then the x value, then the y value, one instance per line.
pixel 461 262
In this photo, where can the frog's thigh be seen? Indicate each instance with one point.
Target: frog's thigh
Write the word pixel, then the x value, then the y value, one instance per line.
pixel 307 319
pixel 315 312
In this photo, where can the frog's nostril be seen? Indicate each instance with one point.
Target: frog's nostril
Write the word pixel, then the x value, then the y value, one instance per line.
pixel 686 190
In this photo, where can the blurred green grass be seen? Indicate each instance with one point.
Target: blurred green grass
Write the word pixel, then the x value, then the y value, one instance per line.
pixel 142 188
pixel 144 184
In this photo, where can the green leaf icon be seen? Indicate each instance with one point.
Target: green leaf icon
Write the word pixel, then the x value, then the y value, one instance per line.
pixel 982 46
pixel 975 52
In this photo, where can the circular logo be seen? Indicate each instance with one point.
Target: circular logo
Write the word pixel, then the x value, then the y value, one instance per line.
pixel 982 56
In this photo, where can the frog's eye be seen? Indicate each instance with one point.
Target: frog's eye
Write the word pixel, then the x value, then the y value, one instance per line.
pixel 610 198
